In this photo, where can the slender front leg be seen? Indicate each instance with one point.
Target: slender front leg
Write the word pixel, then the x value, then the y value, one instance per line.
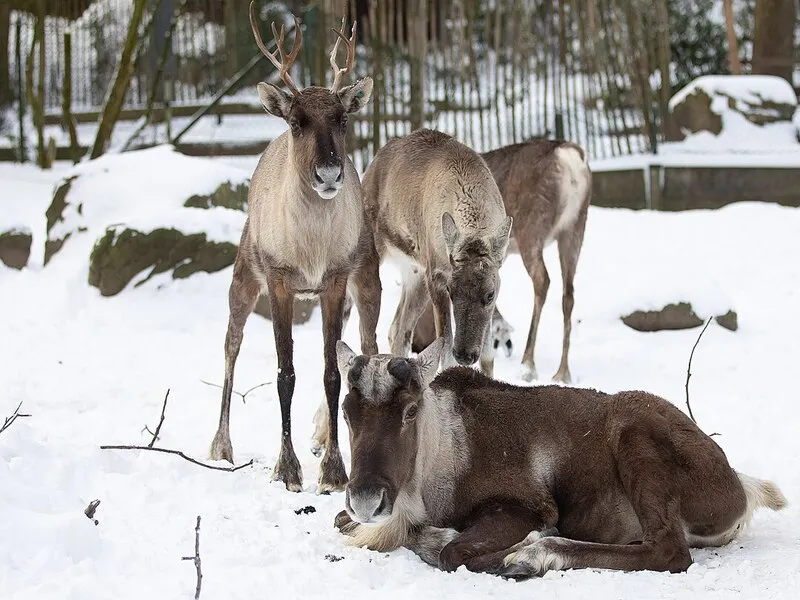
pixel 569 251
pixel 534 263
pixel 412 303
pixel 287 469
pixel 487 352
pixel 492 533
pixel 437 288
pixel 333 477
pixel 242 297
pixel 367 292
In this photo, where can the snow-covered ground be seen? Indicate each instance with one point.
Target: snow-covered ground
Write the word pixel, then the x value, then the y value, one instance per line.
pixel 94 371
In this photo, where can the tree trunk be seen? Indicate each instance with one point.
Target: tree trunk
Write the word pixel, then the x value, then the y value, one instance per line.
pixel 773 38
pixel 6 97
pixel 733 46
pixel 417 47
pixel 66 100
pixel 116 95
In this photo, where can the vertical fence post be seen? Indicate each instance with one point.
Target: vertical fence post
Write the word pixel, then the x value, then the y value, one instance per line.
pixel 20 91
pixel 417 45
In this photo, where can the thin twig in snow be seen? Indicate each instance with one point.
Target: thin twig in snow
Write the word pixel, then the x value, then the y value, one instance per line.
pixel 196 558
pixel 689 373
pixel 243 395
pixel 178 453
pixel 91 509
pixel 160 421
pixel 9 421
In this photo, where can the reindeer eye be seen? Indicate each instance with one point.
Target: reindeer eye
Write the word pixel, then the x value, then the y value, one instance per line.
pixel 410 414
pixel 295 126
pixel 344 120
pixel 489 297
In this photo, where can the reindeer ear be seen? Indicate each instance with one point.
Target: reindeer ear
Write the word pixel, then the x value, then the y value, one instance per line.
pixel 428 360
pixel 355 97
pixel 344 358
pixel 450 231
pixel 276 101
pixel 499 241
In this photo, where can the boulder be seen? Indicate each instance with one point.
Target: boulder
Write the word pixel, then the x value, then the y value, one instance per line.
pixel 122 253
pixel 679 315
pixel 227 195
pixel 15 247
pixel 704 104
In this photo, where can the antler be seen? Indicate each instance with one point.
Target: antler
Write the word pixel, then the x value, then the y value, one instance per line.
pixel 351 53
pixel 285 63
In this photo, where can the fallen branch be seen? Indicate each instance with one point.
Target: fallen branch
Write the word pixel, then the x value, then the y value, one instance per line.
pixel 152 447
pixel 178 453
pixel 689 373
pixel 160 421
pixel 9 421
pixel 243 395
pixel 91 509
pixel 196 558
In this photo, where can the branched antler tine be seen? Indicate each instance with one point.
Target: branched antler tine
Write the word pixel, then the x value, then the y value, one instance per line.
pixel 351 53
pixel 285 62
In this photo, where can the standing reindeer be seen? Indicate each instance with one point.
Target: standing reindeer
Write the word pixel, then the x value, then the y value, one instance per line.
pixel 436 209
pixel 546 187
pixel 306 235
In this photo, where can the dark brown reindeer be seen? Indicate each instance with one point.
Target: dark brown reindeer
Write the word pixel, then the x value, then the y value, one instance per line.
pixel 546 187
pixel 306 234
pixel 517 481
pixel 436 209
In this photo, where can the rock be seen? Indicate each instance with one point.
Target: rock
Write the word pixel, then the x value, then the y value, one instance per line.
pixel 122 253
pixel 303 308
pixel 15 248
pixel 227 195
pixel 761 99
pixel 680 315
pixel 730 320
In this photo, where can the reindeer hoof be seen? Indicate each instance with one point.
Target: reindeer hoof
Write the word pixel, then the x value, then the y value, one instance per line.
pixel 344 523
pixel 563 377
pixel 528 373
pixel 221 448
pixel 317 449
pixel 333 477
pixel 517 572
pixel 290 474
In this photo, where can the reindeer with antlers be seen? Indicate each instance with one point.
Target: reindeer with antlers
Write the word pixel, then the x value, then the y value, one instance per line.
pixel 306 235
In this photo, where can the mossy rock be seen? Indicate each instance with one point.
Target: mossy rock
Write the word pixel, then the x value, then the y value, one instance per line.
pixel 302 309
pixel 15 248
pixel 55 214
pixel 694 113
pixel 119 256
pixel 226 195
pixel 679 315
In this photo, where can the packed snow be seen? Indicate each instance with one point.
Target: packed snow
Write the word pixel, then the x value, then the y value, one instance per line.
pixel 93 370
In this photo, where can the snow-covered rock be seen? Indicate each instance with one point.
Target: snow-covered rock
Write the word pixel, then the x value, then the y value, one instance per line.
pixel 676 315
pixel 714 103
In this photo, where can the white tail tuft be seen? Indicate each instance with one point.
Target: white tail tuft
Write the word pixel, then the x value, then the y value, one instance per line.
pixel 760 494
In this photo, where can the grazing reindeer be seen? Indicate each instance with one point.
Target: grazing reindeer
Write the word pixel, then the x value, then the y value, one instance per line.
pixel 425 331
pixel 517 481
pixel 434 206
pixel 546 187
pixel 306 234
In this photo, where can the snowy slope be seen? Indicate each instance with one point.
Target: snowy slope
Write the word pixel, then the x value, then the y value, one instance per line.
pixel 94 371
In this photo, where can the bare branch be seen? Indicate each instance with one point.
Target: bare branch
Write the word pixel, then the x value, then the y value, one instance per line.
pixel 689 369
pixel 196 558
pixel 91 509
pixel 178 453
pixel 9 421
pixel 160 421
pixel 243 395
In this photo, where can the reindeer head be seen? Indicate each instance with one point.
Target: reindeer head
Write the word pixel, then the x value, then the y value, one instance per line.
pixel 317 117
pixel 475 262
pixel 382 408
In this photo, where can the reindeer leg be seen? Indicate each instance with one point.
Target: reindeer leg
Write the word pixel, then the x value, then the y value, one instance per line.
pixel 367 291
pixel 437 288
pixel 412 303
pixel 287 468
pixel 242 297
pixel 491 533
pixel 534 263
pixel 655 499
pixel 332 477
pixel 487 352
pixel 569 250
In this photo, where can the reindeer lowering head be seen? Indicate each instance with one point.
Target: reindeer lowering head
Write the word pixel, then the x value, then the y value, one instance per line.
pixel 475 261
pixel 317 117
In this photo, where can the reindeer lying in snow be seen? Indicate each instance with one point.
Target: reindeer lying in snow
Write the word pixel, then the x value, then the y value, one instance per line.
pixel 517 481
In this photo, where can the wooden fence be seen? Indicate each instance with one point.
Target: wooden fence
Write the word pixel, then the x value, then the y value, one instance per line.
pixel 490 72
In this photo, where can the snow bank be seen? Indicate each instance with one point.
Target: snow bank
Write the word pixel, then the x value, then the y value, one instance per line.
pixel 743 90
